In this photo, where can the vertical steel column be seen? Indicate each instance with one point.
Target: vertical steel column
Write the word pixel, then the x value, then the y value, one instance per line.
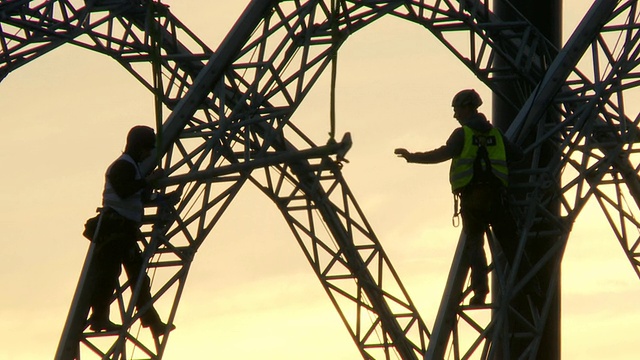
pixel 546 15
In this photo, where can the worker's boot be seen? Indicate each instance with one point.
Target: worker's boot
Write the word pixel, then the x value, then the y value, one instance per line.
pixel 100 323
pixel 478 299
pixel 151 319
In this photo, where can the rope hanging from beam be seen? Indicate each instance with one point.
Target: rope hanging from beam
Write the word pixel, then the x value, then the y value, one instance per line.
pixel 334 68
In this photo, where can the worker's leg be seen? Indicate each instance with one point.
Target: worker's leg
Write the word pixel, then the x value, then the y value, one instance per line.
pixel 103 278
pixel 504 225
pixel 476 257
pixel 474 222
pixel 507 233
pixel 133 265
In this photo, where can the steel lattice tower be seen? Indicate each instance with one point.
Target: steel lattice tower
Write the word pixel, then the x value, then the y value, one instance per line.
pixel 231 125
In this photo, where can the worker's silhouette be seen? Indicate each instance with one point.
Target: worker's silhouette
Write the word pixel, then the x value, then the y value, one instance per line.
pixel 116 243
pixel 479 176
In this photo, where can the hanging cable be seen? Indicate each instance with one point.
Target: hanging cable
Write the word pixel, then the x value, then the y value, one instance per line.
pixel 334 68
pixel 154 16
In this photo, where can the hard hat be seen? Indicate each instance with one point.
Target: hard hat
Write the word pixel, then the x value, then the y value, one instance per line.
pixel 141 137
pixel 468 97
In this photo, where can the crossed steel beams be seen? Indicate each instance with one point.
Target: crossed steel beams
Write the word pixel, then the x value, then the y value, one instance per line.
pixel 595 153
pixel 238 123
pixel 176 112
pixel 538 214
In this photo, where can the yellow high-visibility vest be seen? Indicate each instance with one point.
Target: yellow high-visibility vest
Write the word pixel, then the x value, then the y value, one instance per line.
pixel 461 171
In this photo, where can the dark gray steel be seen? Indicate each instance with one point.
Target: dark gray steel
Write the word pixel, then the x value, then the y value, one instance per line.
pixel 227 128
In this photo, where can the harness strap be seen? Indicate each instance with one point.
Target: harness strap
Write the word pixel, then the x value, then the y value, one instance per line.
pixel 455 220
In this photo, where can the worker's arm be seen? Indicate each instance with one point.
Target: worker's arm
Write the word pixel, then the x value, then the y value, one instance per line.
pixel 438 155
pixel 452 148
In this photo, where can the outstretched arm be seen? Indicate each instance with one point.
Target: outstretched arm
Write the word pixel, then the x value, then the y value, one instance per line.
pixel 438 155
pixel 452 148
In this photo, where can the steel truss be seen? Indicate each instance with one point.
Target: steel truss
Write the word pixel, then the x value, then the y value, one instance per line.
pixel 231 123
pixel 577 119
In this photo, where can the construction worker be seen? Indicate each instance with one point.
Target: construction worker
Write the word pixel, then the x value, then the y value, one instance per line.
pixel 116 243
pixel 479 177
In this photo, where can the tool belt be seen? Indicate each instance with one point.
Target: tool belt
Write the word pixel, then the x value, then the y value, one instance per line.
pixel 105 220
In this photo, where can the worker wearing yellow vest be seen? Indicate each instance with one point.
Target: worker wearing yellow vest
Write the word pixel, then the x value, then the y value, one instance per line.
pixel 479 176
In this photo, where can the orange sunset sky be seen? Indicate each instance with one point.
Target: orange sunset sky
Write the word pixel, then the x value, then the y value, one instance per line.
pixel 251 294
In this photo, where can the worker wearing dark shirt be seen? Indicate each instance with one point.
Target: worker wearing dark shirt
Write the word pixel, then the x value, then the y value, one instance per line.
pixel 125 193
pixel 479 176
